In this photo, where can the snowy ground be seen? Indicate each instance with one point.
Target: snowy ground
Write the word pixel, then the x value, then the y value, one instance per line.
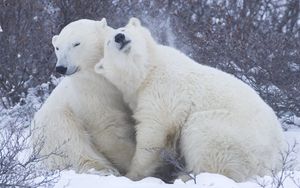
pixel 70 179
pixel 205 180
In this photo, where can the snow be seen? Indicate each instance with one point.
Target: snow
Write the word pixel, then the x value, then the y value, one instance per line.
pixel 70 179
pixel 294 67
pixel 115 2
pixel 170 35
pixel 50 9
pixel 198 35
pixel 194 17
pixel 293 136
pixel 1 30
pixel 296 120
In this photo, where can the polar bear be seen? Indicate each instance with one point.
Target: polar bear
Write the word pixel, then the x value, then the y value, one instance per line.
pixel 223 125
pixel 85 116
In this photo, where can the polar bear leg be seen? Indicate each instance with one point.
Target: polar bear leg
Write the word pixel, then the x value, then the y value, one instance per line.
pixel 209 145
pixel 151 138
pixel 65 132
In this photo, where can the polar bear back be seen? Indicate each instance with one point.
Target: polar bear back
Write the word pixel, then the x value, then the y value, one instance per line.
pixel 214 90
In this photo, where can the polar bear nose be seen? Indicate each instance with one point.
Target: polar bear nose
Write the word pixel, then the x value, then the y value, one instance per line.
pixel 61 69
pixel 120 38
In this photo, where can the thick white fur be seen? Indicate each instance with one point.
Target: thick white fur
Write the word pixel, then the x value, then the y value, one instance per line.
pixel 85 116
pixel 225 126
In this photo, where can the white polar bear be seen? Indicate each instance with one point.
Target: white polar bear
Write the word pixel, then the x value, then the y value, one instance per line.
pixel 85 115
pixel 224 126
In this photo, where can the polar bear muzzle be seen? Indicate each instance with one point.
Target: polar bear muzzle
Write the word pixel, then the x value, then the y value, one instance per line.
pixel 61 69
pixel 121 40
pixel 66 70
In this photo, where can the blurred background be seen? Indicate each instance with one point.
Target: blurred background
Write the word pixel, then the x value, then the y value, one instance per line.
pixel 256 40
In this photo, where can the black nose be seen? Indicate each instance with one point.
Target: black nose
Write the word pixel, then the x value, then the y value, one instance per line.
pixel 61 69
pixel 120 38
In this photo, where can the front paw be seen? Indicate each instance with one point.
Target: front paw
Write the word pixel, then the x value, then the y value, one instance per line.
pixel 184 177
pixel 134 176
pixel 104 172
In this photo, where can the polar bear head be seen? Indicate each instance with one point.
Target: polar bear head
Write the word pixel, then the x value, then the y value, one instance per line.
pixel 79 45
pixel 127 52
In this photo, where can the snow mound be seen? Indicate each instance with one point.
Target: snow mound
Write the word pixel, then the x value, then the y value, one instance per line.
pixel 70 179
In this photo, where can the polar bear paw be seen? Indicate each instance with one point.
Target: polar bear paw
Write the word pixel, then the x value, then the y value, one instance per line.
pixel 134 176
pixel 104 172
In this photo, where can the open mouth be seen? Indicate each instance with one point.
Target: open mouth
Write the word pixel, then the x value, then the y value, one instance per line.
pixel 125 43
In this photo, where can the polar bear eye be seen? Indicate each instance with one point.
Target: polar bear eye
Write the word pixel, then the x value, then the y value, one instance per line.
pixel 76 44
pixel 57 48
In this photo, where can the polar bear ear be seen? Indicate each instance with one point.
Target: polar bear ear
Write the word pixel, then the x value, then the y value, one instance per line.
pixel 54 38
pixel 134 22
pixel 102 24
